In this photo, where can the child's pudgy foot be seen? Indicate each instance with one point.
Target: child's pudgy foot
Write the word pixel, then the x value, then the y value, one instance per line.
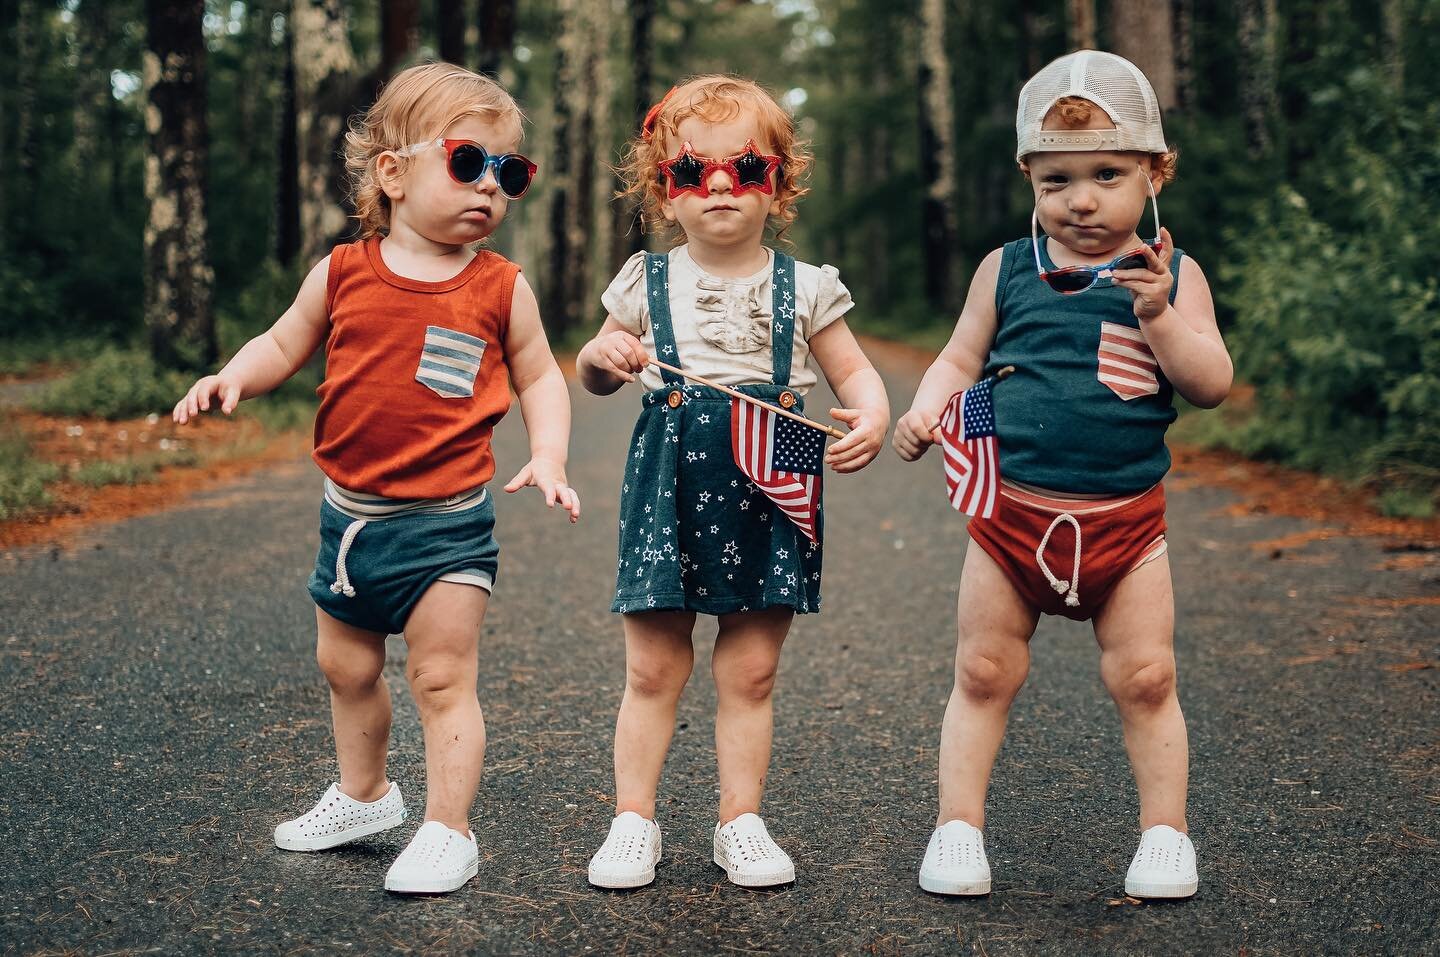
pixel 339 819
pixel 629 854
pixel 955 861
pixel 437 860
pixel 749 855
pixel 1164 865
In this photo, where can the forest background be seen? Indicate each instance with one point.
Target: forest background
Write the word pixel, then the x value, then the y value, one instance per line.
pixel 170 172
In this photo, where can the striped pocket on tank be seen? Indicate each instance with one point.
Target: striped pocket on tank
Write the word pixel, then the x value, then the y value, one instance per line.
pixel 1126 364
pixel 449 362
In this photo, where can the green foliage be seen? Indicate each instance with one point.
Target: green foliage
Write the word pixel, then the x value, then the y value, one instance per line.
pixel 116 384
pixel 1337 308
pixel 132 470
pixel 22 476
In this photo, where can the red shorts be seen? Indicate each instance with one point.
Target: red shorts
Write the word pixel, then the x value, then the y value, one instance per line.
pixel 1065 556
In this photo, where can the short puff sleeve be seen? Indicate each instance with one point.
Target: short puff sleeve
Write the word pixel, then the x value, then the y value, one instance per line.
pixel 832 301
pixel 624 298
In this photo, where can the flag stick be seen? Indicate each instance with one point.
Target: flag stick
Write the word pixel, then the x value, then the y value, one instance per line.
pixel 1000 376
pixel 751 399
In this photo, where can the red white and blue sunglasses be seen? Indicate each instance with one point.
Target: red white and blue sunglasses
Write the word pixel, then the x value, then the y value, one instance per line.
pixel 688 171
pixel 1069 280
pixel 468 162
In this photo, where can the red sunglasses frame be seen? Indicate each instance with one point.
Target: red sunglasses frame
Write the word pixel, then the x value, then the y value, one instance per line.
pixel 710 165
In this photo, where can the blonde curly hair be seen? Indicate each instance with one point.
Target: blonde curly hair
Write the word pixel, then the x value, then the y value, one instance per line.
pixel 714 98
pixel 417 105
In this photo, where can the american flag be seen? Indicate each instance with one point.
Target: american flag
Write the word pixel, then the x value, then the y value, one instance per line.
pixel 972 461
pixel 782 457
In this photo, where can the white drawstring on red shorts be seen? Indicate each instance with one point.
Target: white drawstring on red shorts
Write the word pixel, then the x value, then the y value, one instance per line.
pixel 1060 585
pixel 342 575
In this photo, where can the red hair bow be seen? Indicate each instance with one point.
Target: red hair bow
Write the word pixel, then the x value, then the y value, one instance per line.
pixel 647 127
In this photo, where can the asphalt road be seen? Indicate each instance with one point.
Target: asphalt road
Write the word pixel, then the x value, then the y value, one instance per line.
pixel 162 710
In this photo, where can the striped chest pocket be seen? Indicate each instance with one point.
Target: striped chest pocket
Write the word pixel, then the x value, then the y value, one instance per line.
pixel 449 362
pixel 1125 363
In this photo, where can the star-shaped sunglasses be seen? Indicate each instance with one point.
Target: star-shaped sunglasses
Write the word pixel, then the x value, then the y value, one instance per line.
pixel 467 162
pixel 1069 280
pixel 688 171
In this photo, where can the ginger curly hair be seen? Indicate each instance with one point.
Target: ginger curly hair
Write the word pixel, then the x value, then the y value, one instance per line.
pixel 714 98
pixel 417 105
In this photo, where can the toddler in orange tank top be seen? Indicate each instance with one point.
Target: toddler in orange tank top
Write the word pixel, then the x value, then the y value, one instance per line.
pixel 424 336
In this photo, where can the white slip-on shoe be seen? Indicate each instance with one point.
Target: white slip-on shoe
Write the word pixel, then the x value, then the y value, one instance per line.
pixel 955 861
pixel 629 854
pixel 1164 865
pixel 339 819
pixel 749 855
pixel 437 860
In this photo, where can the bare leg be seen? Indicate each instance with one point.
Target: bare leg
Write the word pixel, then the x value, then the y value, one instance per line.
pixel 747 653
pixel 443 633
pixel 991 662
pixel 1136 629
pixel 658 660
pixel 353 661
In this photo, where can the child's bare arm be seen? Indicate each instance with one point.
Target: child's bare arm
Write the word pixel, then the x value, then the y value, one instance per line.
pixel 866 408
pixel 1184 337
pixel 271 357
pixel 958 365
pixel 610 360
pixel 544 403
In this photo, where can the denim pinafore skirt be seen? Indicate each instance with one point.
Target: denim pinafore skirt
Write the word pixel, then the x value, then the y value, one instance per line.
pixel 695 533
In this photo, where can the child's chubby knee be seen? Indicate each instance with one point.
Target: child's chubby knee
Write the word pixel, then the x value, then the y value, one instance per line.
pixel 347 672
pixel 1145 683
pixel 982 674
pixel 653 676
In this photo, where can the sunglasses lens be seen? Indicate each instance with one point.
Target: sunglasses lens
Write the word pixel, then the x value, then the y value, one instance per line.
pixel 467 163
pixel 513 175
pixel 1136 261
pixel 752 169
pixel 686 172
pixel 1070 281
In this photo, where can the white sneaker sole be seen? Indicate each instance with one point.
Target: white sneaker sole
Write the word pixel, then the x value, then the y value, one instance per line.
pixel 1161 891
pixel 772 879
pixel 953 888
pixel 327 841
pixel 432 886
pixel 620 882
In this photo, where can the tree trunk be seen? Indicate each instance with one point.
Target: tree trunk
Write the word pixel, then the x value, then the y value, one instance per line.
pixel 325 93
pixel 497 35
pixel 178 277
pixel 1141 32
pixel 937 156
pixel 629 226
pixel 1031 55
pixel 1080 24
pixel 1183 36
pixel 24 190
pixel 1392 15
pixel 399 34
pixel 450 28
pixel 287 165
pixel 1259 24
pixel 578 50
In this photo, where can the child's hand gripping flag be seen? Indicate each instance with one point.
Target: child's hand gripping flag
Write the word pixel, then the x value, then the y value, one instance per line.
pixel 782 457
pixel 972 460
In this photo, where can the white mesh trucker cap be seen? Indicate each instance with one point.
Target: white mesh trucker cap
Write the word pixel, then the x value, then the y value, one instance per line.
pixel 1110 82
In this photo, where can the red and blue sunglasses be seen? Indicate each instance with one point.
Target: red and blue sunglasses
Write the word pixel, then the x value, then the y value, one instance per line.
pixel 688 171
pixel 468 162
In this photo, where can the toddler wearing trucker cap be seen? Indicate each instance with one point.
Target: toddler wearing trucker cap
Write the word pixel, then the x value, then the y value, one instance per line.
pixel 1104 321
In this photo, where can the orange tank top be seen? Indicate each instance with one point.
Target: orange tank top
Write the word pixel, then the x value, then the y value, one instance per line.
pixel 415 375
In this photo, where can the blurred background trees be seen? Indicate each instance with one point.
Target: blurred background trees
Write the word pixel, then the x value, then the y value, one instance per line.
pixel 171 167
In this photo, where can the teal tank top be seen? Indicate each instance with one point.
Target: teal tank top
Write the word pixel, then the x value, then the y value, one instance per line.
pixel 1087 408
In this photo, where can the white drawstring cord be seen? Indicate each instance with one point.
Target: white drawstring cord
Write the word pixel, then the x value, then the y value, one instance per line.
pixel 342 575
pixel 1073 586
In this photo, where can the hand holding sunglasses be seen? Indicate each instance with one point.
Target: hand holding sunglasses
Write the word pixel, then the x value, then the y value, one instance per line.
pixel 468 161
pixel 1150 281
pixel 689 172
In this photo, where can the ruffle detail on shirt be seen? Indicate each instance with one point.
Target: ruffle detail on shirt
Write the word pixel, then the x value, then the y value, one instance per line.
pixel 624 298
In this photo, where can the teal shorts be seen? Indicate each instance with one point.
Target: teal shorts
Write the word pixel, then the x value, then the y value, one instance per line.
pixel 371 573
